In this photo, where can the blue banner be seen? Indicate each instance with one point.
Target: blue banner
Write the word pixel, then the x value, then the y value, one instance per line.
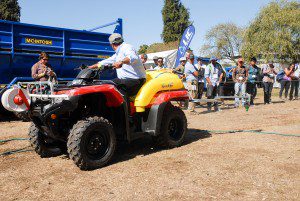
pixel 185 43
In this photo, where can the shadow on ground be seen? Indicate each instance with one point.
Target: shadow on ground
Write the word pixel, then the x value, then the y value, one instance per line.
pixel 273 102
pixel 6 117
pixel 145 146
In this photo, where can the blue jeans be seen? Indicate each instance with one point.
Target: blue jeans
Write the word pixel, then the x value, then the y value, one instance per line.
pixel 240 89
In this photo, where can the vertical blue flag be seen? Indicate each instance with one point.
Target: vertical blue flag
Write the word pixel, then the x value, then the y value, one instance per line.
pixel 185 43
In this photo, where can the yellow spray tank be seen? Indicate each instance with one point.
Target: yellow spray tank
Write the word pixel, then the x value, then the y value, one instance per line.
pixel 156 81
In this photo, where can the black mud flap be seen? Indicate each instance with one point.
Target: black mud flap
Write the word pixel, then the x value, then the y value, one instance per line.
pixel 153 122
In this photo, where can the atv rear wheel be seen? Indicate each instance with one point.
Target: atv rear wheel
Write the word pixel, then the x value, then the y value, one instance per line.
pixel 91 143
pixel 173 127
pixel 40 145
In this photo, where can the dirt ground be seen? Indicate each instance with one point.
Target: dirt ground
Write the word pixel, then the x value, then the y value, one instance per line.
pixel 209 166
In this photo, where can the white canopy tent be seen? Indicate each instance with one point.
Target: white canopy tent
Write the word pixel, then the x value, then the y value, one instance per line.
pixel 168 56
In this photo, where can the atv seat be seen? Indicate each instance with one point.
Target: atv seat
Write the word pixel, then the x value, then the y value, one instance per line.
pixel 106 82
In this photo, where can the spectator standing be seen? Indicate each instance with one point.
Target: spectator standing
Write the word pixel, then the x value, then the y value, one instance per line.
pixel 191 73
pixel 42 70
pixel 201 71
pixel 268 81
pixel 253 75
pixel 160 64
pixel 180 67
pixel 144 59
pixel 285 83
pixel 295 82
pixel 221 85
pixel 240 76
pixel 213 75
pixel 155 59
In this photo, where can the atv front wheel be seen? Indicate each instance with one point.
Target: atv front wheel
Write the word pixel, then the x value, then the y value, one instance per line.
pixel 40 145
pixel 91 143
pixel 173 127
pixel 22 116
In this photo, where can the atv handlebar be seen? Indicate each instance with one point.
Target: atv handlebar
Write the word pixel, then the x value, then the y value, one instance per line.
pixel 107 66
pixel 104 67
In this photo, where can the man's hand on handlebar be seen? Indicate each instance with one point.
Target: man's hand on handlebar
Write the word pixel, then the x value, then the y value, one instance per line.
pixel 94 66
pixel 117 64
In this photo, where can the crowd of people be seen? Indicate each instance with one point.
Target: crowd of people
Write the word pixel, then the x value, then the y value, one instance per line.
pixel 246 79
pixel 131 75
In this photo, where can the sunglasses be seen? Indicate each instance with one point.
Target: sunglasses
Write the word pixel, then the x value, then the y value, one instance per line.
pixel 45 59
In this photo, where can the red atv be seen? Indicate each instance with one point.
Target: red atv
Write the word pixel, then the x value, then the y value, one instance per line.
pixel 88 116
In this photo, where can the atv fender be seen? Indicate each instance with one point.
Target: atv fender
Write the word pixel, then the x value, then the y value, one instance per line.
pixel 113 96
pixel 42 119
pixel 153 122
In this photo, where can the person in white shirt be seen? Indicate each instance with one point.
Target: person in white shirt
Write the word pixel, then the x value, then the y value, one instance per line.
pixel 144 59
pixel 160 64
pixel 130 70
pixel 213 75
pixel 191 73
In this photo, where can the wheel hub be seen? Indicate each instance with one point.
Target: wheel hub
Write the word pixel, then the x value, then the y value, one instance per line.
pixel 97 145
pixel 174 129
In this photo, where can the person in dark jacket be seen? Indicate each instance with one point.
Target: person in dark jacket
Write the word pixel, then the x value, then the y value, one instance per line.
pixel 253 75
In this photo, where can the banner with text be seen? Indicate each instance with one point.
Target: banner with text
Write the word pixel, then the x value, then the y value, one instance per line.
pixel 185 43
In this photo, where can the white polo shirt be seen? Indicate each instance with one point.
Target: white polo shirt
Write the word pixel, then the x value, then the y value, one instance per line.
pixel 134 70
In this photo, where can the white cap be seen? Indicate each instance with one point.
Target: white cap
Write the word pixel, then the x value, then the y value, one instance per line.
pixel 182 59
pixel 115 38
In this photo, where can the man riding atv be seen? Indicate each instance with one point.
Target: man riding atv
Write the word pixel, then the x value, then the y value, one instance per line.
pixel 88 116
pixel 130 70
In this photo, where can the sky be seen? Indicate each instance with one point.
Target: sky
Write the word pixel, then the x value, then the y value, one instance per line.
pixel 142 19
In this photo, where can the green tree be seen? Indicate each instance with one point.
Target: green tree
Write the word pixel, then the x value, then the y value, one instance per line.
pixel 223 41
pixel 10 10
pixel 143 49
pixel 176 20
pixel 275 33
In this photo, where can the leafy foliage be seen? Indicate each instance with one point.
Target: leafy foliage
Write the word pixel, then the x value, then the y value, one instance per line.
pixel 143 49
pixel 176 20
pixel 223 41
pixel 158 47
pixel 275 33
pixel 10 10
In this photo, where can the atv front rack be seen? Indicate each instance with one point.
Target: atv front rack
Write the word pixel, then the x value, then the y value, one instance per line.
pixel 43 90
